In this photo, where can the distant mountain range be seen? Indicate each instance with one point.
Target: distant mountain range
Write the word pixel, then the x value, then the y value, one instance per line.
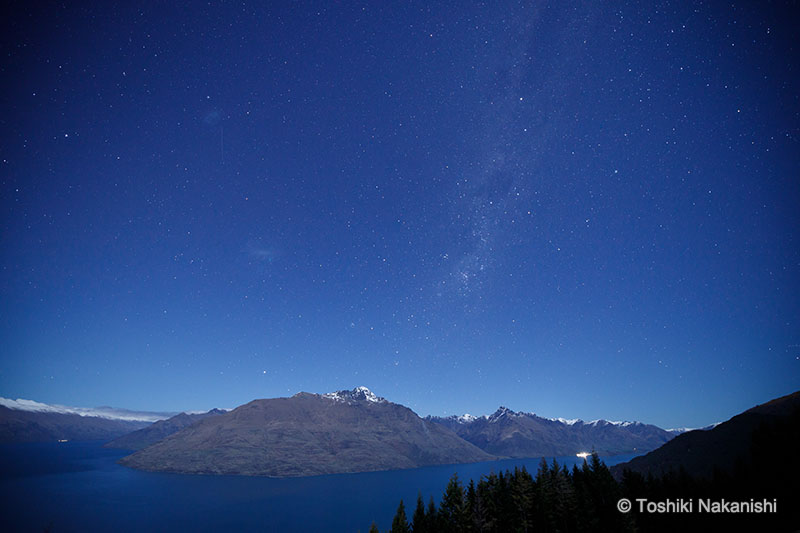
pixel 36 426
pixel 760 432
pixel 159 430
pixel 512 434
pixel 308 434
pixel 30 421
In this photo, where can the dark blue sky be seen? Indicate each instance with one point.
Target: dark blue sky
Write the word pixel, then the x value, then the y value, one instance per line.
pixel 576 210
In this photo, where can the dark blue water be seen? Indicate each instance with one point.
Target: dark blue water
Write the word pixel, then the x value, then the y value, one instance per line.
pixel 77 486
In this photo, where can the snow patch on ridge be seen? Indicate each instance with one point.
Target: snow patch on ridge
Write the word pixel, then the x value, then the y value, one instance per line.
pixel 503 411
pixel 602 422
pixel 678 431
pixel 216 410
pixel 566 421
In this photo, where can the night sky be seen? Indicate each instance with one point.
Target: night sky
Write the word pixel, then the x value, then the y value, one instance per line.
pixel 574 209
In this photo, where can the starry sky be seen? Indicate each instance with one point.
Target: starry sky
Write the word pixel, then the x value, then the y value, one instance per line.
pixel 573 209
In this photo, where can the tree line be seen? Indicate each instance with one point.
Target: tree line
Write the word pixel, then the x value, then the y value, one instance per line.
pixel 556 499
pixel 586 498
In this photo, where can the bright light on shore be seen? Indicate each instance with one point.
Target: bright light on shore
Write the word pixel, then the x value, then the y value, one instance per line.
pixel 583 455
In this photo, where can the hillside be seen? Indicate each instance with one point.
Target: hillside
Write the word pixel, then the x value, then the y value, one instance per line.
pixel 736 440
pixel 157 431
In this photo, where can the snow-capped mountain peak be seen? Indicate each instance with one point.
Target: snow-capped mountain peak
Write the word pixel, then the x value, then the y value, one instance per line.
pixel 355 395
pixel 505 412
pixel 501 412
pixel 594 423
pixel 461 419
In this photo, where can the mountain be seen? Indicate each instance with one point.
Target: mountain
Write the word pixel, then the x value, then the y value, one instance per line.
pixel 153 433
pixel 308 434
pixel 511 434
pixel 37 426
pixel 765 431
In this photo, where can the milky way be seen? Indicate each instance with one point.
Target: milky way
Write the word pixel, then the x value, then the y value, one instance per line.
pixel 580 211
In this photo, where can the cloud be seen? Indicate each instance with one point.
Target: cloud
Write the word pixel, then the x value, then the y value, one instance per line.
pixel 102 412
pixel 261 253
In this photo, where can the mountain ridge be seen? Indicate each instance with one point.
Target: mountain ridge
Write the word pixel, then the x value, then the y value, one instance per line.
pixel 308 434
pixel 520 434
pixel 555 436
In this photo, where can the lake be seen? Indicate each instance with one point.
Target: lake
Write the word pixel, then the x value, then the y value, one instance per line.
pixel 77 486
